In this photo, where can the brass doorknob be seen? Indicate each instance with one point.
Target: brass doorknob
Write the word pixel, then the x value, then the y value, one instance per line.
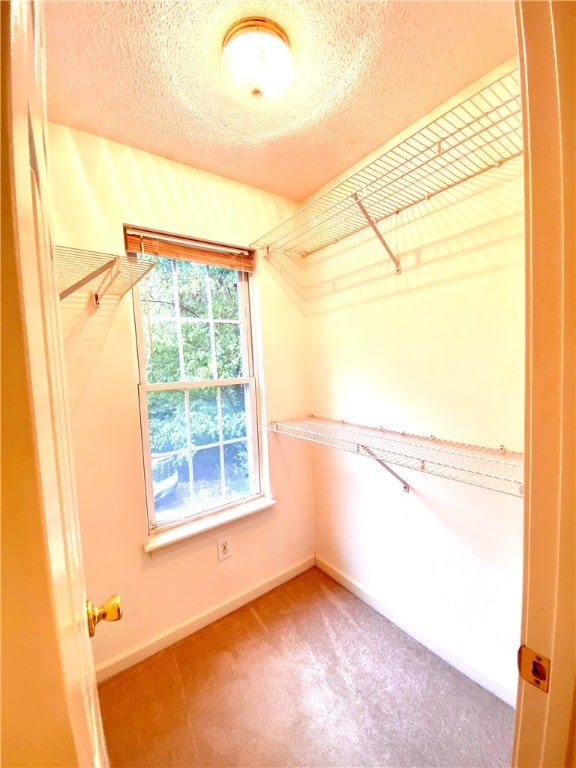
pixel 110 610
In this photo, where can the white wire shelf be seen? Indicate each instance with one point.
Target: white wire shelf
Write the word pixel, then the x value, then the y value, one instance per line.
pixel 97 273
pixel 481 133
pixel 491 468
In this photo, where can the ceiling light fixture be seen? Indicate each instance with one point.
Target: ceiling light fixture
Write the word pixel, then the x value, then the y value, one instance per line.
pixel 256 58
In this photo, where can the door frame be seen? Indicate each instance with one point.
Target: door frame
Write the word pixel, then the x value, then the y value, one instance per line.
pixel 546 43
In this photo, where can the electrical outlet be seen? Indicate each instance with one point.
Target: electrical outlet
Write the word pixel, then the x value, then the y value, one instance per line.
pixel 224 548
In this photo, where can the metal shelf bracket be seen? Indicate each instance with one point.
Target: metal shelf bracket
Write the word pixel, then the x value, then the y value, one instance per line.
pixel 365 450
pixel 108 267
pixel 115 267
pixel 377 232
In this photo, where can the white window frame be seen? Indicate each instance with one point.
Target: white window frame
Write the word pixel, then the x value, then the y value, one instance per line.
pixel 163 533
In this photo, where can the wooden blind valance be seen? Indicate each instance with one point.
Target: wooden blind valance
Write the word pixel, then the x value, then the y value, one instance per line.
pixel 156 243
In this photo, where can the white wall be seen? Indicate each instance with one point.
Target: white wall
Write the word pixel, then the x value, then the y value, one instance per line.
pixel 437 350
pixel 97 186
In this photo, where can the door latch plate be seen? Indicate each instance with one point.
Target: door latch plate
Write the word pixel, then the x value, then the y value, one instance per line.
pixel 534 667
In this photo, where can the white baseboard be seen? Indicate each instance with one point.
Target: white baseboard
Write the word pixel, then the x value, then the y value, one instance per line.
pixel 140 652
pixel 357 589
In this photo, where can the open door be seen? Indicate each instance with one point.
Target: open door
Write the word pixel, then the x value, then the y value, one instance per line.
pixel 50 712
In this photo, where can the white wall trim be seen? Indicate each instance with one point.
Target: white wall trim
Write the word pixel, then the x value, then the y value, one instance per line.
pixel 140 652
pixel 161 539
pixel 414 631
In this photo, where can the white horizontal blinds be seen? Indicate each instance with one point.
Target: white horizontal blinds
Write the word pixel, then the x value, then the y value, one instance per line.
pixel 154 242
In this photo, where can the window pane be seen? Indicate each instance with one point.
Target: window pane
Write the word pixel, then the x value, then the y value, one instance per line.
pixel 167 421
pixel 169 492
pixel 192 287
pixel 224 287
pixel 236 468
pixel 162 358
pixel 157 296
pixel 233 411
pixel 228 350
pixel 207 477
pixel 168 441
pixel 204 422
pixel 197 351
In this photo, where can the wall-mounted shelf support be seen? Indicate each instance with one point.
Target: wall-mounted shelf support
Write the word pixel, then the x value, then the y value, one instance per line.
pixel 107 267
pixel 107 282
pixel 364 449
pixel 377 233
pixel 495 469
pixel 77 268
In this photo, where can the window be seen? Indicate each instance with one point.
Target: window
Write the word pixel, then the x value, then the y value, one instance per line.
pixel 198 403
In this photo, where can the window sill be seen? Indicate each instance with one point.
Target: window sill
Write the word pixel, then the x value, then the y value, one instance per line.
pixel 162 539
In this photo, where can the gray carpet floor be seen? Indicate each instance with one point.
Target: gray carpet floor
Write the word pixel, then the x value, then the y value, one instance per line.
pixel 307 675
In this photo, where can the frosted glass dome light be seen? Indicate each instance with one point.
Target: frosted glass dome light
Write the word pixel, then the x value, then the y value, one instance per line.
pixel 256 58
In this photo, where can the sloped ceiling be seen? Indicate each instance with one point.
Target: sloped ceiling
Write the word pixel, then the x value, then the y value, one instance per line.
pixel 146 73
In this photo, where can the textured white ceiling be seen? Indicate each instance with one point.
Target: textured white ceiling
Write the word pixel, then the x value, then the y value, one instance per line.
pixel 146 73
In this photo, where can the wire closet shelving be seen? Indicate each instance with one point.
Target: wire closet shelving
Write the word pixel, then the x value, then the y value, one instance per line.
pixel 491 468
pixel 97 273
pixel 478 134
